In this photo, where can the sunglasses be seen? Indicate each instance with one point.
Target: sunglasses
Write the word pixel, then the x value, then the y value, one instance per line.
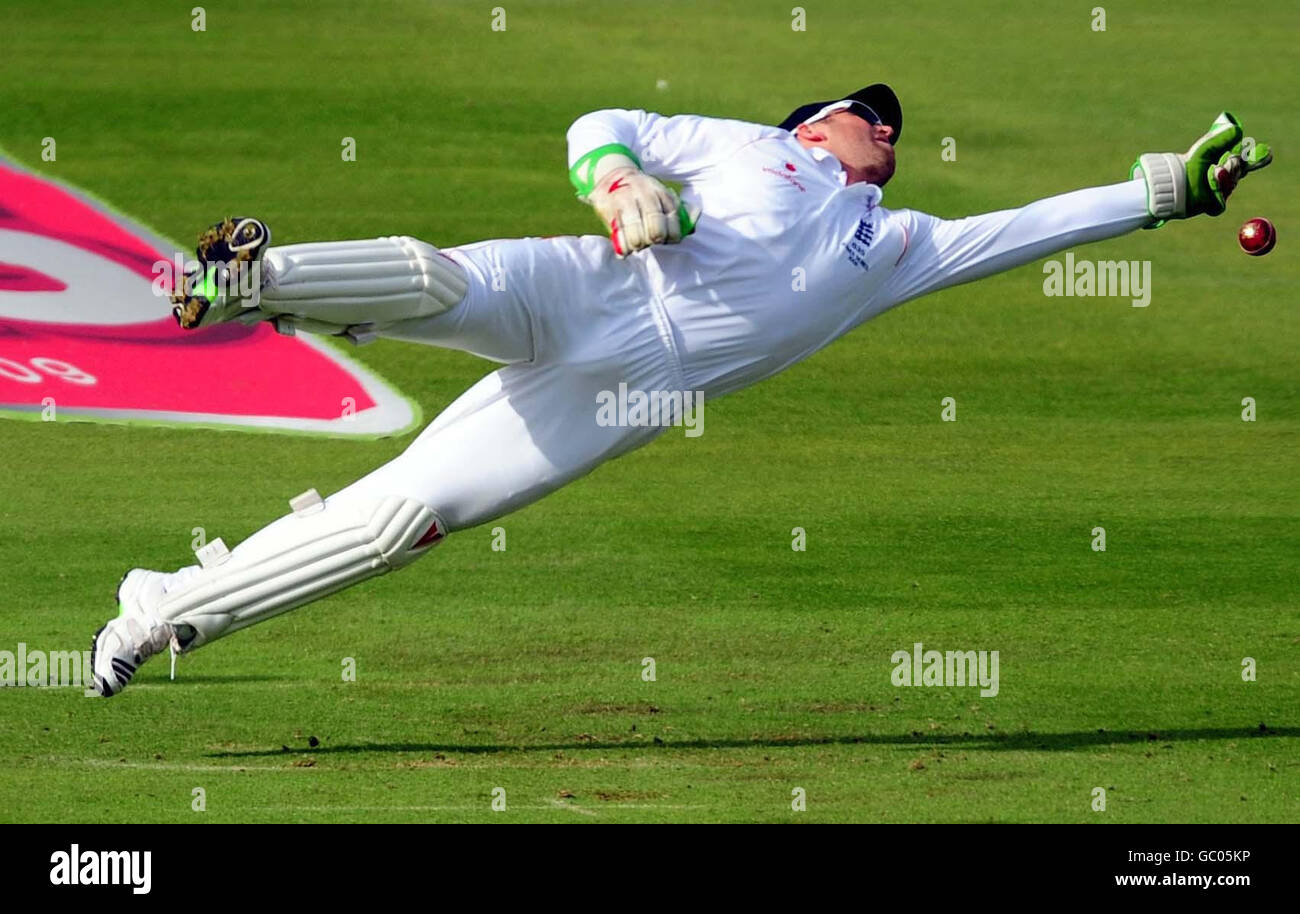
pixel 866 112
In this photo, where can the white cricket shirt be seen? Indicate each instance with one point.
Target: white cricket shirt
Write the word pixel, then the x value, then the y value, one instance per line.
pixel 786 257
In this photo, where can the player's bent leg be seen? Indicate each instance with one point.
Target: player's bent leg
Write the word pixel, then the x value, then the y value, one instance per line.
pixel 358 288
pixel 343 288
pixel 501 299
pixel 396 287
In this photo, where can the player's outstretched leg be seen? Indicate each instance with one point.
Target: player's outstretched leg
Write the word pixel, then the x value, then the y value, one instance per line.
pixel 317 549
pixel 519 433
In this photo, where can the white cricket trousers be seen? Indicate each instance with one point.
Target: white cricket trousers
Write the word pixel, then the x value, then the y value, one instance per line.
pixel 570 321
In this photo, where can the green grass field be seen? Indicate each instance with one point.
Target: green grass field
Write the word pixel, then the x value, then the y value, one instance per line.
pixel 522 669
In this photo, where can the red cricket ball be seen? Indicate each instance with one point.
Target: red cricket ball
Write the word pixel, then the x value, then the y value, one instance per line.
pixel 1257 236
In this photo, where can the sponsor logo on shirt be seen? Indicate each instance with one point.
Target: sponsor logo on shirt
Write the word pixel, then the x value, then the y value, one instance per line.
pixel 787 176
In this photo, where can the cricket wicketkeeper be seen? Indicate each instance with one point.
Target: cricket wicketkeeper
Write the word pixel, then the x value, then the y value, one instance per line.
pixel 777 246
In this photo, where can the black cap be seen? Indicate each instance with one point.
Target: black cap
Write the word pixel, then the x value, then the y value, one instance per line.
pixel 878 99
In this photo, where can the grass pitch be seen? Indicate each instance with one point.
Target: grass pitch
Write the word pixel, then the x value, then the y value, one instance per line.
pixel 521 669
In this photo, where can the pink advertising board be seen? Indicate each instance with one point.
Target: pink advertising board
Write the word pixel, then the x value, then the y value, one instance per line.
pixel 83 330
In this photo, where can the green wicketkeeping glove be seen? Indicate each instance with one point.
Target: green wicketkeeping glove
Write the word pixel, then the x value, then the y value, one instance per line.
pixel 637 209
pixel 1201 179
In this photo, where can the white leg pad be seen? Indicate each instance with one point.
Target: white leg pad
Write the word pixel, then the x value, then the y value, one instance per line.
pixel 342 283
pixel 320 548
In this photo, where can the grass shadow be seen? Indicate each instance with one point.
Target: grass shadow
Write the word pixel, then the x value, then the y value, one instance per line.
pixel 1021 741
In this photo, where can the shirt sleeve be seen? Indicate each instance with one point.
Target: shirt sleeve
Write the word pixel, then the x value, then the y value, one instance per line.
pixel 677 148
pixel 946 252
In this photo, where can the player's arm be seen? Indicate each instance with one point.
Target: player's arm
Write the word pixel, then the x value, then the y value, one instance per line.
pixel 1162 186
pixel 617 158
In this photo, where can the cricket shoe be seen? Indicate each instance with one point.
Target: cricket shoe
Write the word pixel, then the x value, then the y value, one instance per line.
pixel 120 647
pixel 227 281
